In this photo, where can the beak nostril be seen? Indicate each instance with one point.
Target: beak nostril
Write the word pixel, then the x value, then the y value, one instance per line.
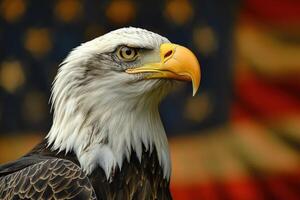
pixel 168 54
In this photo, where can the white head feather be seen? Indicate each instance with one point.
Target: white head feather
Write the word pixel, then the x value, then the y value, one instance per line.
pixel 102 113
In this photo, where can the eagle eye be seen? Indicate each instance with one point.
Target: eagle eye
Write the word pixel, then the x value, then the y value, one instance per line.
pixel 127 53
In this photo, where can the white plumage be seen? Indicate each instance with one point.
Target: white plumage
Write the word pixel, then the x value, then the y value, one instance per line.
pixel 103 114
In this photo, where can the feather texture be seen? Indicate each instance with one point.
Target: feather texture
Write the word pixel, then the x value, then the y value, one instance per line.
pixel 46 174
pixel 48 179
pixel 102 113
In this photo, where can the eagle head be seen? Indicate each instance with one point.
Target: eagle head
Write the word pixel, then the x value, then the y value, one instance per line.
pixel 105 97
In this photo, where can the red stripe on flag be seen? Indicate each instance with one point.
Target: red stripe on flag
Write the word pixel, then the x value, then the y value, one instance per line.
pixel 265 99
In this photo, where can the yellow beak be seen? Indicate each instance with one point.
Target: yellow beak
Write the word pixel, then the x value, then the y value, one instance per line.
pixel 177 62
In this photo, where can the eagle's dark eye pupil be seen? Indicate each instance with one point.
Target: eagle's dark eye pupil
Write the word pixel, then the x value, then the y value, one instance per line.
pixel 128 52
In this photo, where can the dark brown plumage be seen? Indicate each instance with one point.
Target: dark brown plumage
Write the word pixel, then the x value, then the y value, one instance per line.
pixel 44 174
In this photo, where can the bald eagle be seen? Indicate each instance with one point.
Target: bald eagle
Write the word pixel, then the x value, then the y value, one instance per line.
pixel 107 140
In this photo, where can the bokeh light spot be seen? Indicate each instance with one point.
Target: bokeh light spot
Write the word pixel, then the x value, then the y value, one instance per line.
pixel 198 108
pixel 11 75
pixel 121 11
pixel 12 10
pixel 68 10
pixel 205 40
pixel 179 11
pixel 37 41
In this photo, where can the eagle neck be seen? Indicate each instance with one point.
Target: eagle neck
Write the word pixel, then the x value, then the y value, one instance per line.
pixel 108 136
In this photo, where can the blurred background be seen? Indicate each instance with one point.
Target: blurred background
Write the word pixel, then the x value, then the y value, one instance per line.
pixel 239 138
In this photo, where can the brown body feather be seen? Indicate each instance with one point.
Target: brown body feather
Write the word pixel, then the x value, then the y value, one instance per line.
pixel 46 174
